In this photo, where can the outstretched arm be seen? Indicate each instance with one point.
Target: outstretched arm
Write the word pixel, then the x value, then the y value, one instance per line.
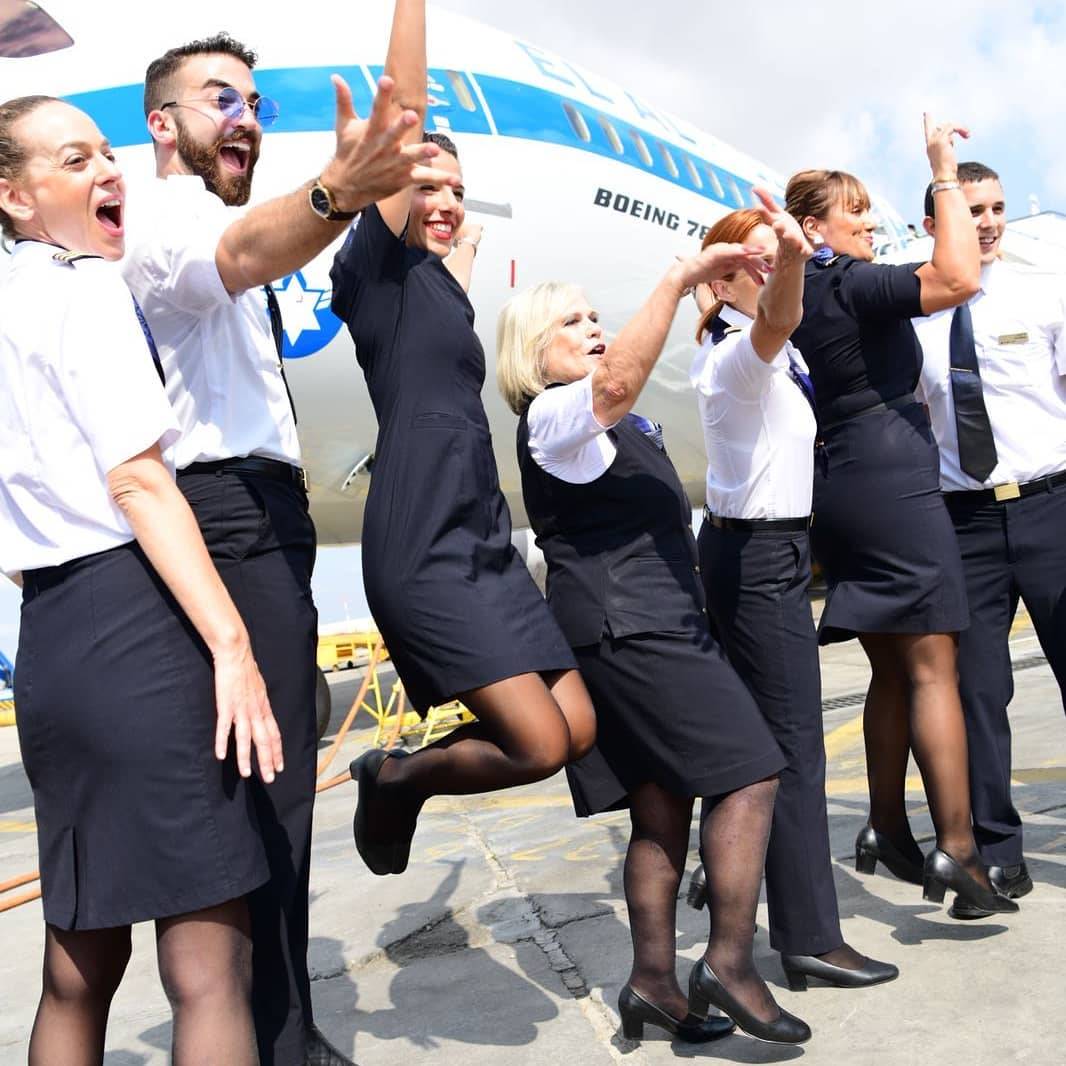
pixel 780 308
pixel 628 362
pixel 954 274
pixel 406 63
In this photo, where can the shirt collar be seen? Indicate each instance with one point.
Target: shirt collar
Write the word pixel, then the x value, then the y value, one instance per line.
pixel 731 316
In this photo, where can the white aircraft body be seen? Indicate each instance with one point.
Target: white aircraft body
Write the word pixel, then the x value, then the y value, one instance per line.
pixel 574 177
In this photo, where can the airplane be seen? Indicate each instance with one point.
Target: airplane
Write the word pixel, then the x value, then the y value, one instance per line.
pixel 574 177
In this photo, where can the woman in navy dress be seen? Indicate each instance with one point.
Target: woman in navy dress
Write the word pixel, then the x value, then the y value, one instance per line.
pixel 133 663
pixel 881 531
pixel 674 721
pixel 457 608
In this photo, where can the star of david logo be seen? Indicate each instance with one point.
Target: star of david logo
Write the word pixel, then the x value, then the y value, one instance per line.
pixel 309 323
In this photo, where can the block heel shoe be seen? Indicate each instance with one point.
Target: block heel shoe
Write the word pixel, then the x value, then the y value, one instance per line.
pixel 942 872
pixel 635 1010
pixel 872 847
pixel 705 991
pixel 798 968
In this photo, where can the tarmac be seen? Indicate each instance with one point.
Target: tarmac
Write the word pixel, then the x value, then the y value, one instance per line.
pixel 506 940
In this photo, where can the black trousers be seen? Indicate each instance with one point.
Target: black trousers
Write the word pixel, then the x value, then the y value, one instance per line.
pixel 1011 550
pixel 756 584
pixel 262 540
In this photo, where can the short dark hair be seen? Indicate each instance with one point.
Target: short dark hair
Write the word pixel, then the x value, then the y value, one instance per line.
pixel 160 71
pixel 443 142
pixel 969 173
pixel 12 150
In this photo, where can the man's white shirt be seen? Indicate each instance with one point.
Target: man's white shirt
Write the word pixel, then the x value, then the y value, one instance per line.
pixel 217 349
pixel 1019 327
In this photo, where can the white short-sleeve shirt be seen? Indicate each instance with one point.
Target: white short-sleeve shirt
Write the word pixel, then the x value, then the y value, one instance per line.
pixel 221 362
pixel 565 438
pixel 1019 329
pixel 758 427
pixel 79 395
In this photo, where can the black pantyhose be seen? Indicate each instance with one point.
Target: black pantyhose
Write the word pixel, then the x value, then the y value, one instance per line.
pixel 528 727
pixel 915 688
pixel 82 971
pixel 734 829
pixel 655 861
pixel 205 963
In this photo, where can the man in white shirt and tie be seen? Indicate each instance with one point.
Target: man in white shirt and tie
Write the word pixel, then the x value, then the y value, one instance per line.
pixel 201 268
pixel 994 377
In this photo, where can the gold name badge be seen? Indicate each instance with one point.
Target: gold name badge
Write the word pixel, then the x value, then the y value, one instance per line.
pixel 1014 338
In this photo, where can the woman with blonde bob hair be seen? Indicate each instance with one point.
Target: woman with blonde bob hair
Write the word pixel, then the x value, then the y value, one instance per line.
pixel 673 719
pixel 882 534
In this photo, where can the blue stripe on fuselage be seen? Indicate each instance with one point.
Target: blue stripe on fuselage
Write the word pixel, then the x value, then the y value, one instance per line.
pixel 519 110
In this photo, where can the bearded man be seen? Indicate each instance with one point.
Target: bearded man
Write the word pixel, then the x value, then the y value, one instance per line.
pixel 200 266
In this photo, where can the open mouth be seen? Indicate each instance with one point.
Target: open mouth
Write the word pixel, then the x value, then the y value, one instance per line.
pixel 236 156
pixel 442 231
pixel 987 243
pixel 598 350
pixel 109 215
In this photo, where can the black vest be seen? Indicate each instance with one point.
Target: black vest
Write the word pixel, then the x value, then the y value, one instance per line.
pixel 620 551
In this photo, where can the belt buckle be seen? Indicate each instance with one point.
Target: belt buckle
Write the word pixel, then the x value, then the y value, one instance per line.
pixel 303 478
pixel 1009 491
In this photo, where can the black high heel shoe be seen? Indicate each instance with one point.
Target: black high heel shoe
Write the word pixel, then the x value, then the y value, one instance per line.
pixel 943 872
pixel 705 990
pixel 696 896
pixel 635 1010
pixel 381 858
pixel 799 967
pixel 872 847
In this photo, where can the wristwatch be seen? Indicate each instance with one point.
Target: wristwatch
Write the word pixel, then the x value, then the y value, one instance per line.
pixel 323 205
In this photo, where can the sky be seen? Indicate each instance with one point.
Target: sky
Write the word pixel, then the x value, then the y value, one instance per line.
pixel 828 83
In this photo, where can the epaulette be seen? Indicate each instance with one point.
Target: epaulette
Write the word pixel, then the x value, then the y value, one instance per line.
pixel 70 258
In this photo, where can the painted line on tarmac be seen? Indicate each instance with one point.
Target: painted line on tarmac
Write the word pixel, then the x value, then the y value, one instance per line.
pixel 9 826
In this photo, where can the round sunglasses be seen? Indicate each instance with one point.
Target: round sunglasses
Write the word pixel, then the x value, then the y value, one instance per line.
pixel 233 105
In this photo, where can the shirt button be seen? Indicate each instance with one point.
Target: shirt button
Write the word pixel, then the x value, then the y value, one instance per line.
pixel 695 569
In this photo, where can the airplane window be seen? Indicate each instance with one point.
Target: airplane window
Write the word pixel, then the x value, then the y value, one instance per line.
pixel 642 148
pixel 734 188
pixel 716 185
pixel 27 30
pixel 693 173
pixel 668 160
pixel 612 136
pixel 577 121
pixel 461 90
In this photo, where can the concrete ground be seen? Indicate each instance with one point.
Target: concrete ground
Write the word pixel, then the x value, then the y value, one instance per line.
pixel 506 941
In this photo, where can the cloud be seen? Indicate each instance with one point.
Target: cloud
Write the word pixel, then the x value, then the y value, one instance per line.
pixel 833 82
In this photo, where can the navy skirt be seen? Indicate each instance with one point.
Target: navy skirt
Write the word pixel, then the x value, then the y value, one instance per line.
pixel 669 710
pixel 136 818
pixel 881 532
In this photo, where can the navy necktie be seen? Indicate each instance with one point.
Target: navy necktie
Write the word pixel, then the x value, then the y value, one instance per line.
pixel 150 339
pixel 977 447
pixel 652 430
pixel 277 328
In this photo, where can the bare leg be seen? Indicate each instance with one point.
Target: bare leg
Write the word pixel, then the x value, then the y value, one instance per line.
pixel 734 830
pixel 205 962
pixel 926 662
pixel 887 733
pixel 82 970
pixel 528 728
pixel 655 861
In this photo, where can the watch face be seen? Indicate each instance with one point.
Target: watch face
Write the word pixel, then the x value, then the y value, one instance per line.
pixel 320 200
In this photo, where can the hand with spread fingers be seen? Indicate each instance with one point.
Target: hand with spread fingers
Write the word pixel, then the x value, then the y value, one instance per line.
pixel 372 162
pixel 940 147
pixel 718 260
pixel 792 243
pixel 244 709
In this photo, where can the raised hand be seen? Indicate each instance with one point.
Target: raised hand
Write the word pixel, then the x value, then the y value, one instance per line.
pixel 792 243
pixel 243 708
pixel 940 147
pixel 372 162
pixel 718 260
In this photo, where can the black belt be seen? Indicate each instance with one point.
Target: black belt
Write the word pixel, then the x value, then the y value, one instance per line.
pixel 254 465
pixel 753 525
pixel 887 405
pixel 1009 491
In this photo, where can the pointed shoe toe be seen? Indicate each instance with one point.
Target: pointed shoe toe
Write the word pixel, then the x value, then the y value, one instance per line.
pixel 943 872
